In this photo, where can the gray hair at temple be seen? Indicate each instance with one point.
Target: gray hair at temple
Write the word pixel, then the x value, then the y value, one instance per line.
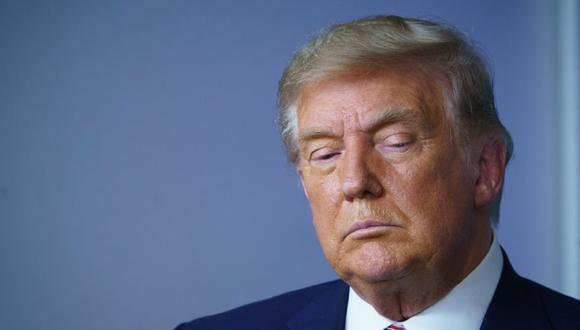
pixel 380 42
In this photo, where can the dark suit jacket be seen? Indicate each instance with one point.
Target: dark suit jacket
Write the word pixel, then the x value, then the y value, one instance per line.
pixel 517 303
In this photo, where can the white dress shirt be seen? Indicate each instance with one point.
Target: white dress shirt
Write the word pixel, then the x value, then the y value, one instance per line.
pixel 462 308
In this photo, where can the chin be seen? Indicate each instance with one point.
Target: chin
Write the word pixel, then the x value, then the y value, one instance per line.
pixel 378 274
pixel 373 263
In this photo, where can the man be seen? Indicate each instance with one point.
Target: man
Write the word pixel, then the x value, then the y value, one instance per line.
pixel 392 126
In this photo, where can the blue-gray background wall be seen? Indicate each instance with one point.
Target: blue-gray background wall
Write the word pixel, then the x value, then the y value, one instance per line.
pixel 142 182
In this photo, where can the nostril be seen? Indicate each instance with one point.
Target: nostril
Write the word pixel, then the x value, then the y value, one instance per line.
pixel 374 187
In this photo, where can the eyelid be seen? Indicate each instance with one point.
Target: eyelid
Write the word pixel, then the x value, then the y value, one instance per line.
pixel 397 142
pixel 398 138
pixel 318 154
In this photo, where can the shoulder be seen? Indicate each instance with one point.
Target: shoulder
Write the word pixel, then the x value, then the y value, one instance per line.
pixel 562 311
pixel 519 303
pixel 271 313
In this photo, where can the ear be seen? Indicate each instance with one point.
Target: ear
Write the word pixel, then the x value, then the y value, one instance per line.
pixel 491 167
pixel 301 176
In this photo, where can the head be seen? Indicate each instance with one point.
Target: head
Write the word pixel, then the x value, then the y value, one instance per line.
pixel 392 125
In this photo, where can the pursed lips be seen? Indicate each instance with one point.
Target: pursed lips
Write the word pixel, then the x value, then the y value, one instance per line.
pixel 365 224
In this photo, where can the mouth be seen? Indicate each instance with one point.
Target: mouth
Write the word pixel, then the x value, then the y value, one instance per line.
pixel 368 228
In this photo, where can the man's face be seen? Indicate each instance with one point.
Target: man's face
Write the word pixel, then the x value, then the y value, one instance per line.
pixel 390 193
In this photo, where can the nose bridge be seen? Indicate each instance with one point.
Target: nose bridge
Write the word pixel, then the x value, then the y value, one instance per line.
pixel 357 178
pixel 355 157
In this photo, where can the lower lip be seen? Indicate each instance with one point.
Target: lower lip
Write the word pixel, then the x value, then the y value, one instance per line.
pixel 370 232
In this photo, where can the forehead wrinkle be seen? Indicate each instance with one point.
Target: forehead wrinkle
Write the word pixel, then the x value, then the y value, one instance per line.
pixel 394 115
pixel 352 123
pixel 316 133
pixel 421 115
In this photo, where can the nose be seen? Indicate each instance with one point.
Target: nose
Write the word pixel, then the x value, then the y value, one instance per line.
pixel 358 180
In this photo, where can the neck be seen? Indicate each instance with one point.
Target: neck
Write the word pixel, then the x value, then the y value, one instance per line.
pixel 404 298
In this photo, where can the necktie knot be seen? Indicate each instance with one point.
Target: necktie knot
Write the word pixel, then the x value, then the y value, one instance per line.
pixel 395 326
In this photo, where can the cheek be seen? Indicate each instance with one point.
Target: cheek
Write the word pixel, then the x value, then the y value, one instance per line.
pixel 435 201
pixel 324 194
pixel 325 201
pixel 330 188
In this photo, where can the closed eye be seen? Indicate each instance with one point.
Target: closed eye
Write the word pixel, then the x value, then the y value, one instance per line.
pixel 323 156
pixel 327 156
pixel 399 142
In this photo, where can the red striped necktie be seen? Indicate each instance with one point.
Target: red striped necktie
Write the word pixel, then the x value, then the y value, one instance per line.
pixel 395 326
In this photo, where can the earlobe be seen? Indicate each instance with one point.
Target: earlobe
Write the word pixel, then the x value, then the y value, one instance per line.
pixel 491 166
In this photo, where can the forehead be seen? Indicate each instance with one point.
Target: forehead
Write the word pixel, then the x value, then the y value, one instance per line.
pixel 356 101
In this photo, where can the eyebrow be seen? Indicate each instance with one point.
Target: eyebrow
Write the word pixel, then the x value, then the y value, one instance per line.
pixel 389 116
pixel 394 115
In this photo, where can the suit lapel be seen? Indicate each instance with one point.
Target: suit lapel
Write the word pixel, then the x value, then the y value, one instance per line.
pixel 515 304
pixel 327 311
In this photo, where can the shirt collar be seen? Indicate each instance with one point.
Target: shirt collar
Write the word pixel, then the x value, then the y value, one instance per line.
pixel 462 308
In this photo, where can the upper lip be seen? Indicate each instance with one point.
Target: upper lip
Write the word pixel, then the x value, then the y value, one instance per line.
pixel 363 224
